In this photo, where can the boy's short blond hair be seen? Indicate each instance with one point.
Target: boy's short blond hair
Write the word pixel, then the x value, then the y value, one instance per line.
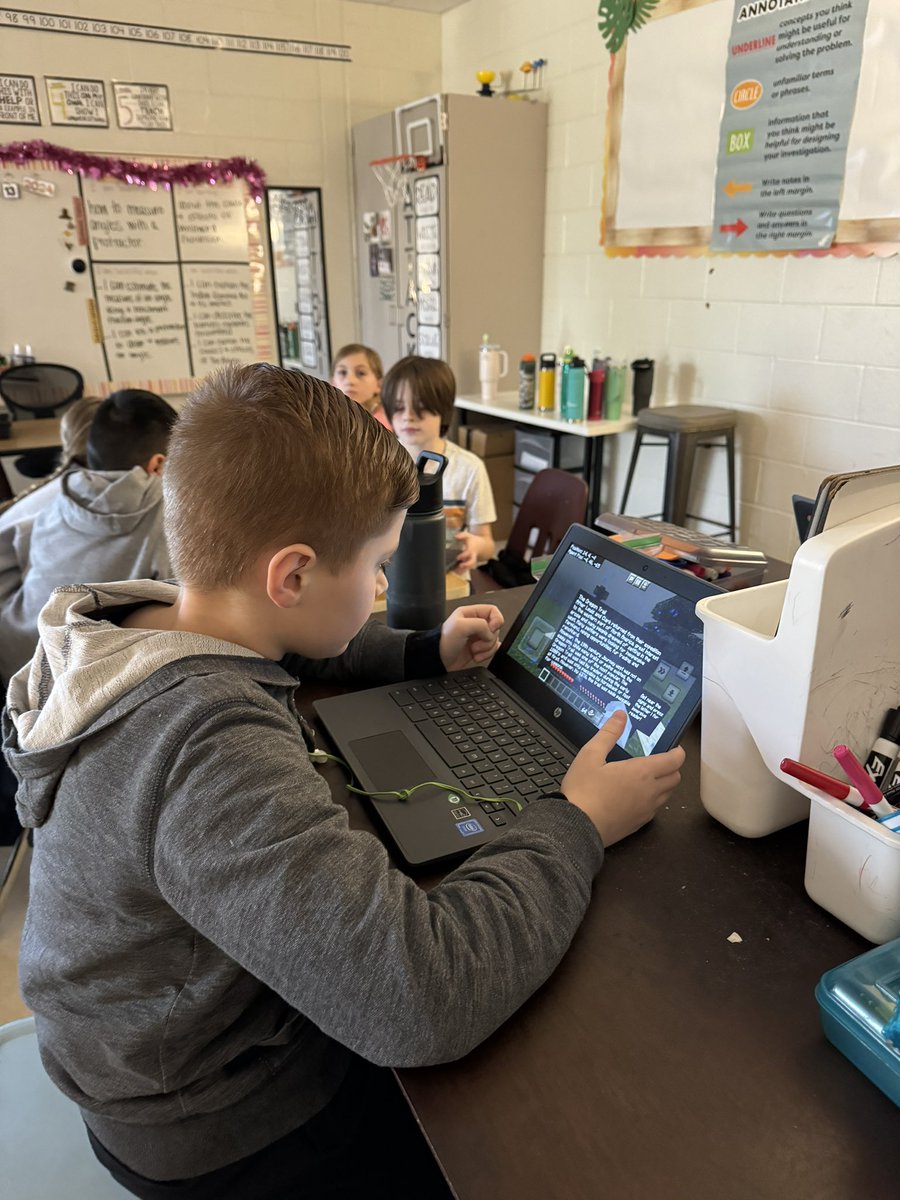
pixel 373 358
pixel 262 458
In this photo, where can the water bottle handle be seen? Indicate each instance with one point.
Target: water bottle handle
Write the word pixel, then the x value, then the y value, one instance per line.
pixel 505 363
pixel 426 456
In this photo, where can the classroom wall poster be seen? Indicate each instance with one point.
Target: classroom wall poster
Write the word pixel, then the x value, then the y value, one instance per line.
pixel 77 101
pixel 142 106
pixel 791 84
pixel 18 100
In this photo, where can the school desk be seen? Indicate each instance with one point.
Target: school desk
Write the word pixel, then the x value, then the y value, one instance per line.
pixel 26 435
pixel 594 433
pixel 663 1061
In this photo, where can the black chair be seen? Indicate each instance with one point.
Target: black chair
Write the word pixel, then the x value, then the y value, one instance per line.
pixel 39 390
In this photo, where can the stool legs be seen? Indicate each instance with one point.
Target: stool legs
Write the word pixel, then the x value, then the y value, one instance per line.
pixel 638 438
pixel 679 466
pixel 681 448
pixel 732 507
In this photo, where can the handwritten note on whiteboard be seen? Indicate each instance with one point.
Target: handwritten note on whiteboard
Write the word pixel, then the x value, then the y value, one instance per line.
pixel 142 318
pixel 128 223
pixel 212 226
pixel 219 314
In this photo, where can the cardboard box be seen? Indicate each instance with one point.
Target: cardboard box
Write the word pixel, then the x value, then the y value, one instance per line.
pixel 488 439
pixel 500 473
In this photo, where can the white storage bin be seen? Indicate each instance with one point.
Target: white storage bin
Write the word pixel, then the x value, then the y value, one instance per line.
pixel 791 669
pixel 853 868
pixel 521 483
pixel 534 450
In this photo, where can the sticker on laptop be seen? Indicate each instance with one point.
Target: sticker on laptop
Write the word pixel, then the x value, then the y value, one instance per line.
pixel 469 828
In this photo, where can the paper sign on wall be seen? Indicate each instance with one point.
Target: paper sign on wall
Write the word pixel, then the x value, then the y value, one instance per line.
pixel 18 100
pixel 142 106
pixel 791 83
pixel 77 101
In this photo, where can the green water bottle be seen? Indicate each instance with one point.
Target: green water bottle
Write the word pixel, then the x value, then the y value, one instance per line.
pixel 572 402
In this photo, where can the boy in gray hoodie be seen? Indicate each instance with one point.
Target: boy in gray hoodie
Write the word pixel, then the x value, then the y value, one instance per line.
pixel 214 958
pixel 103 522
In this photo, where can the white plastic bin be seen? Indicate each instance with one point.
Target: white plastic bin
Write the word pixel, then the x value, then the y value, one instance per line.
pixel 853 868
pixel 791 669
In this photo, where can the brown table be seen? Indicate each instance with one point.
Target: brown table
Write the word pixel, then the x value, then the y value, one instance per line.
pixel 661 1061
pixel 39 434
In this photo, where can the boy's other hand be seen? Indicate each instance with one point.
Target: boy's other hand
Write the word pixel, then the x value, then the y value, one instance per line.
pixel 467 558
pixel 620 797
pixel 469 636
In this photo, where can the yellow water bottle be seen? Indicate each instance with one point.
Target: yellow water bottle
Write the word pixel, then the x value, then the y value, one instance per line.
pixel 547 384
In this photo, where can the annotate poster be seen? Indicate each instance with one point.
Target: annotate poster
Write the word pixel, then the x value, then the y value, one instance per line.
pixel 791 83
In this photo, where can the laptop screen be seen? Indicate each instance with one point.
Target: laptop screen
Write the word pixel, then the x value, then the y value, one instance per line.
pixel 609 628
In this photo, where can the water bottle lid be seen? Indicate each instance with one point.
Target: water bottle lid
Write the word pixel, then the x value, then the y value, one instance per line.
pixel 431 485
pixel 577 362
pixel 548 361
pixel 527 358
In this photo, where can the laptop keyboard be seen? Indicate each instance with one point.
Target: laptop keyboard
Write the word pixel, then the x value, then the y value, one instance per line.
pixel 488 745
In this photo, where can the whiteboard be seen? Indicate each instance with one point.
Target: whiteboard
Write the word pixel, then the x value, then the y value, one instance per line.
pixel 667 89
pixel 172 283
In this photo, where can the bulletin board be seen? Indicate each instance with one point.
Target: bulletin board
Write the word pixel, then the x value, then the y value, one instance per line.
pixel 666 94
pixel 133 286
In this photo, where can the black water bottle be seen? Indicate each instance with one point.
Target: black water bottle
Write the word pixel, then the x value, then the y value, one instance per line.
pixel 416 596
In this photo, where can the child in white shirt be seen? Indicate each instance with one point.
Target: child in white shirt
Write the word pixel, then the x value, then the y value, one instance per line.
pixel 418 396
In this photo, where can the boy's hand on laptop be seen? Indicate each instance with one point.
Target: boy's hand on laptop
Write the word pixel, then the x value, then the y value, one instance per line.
pixel 469 636
pixel 620 797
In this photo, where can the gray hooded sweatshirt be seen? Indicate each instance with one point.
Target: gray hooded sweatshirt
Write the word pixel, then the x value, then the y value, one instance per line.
pixel 207 940
pixel 98 526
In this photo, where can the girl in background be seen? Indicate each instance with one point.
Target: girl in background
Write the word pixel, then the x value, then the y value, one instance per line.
pixel 357 372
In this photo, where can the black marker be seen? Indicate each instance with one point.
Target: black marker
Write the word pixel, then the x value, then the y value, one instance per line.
pixel 880 764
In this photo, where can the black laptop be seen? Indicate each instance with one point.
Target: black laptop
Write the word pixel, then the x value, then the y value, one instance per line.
pixel 606 627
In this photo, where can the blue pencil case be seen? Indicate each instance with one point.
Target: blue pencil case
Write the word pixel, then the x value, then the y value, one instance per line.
pixel 859 1003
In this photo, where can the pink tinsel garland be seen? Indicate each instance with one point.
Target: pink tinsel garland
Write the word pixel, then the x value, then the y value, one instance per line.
pixel 144 174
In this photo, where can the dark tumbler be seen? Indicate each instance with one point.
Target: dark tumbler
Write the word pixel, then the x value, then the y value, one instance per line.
pixel 416 575
pixel 642 384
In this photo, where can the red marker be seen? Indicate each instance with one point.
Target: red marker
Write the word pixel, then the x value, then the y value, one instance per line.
pixel 828 783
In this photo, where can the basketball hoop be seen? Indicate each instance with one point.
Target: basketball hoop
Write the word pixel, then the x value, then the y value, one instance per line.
pixel 391 173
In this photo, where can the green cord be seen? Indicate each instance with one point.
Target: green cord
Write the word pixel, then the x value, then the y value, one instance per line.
pixel 406 793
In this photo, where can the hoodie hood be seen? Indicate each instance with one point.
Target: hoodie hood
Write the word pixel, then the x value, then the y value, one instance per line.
pixel 112 501
pixel 85 667
pixel 101 525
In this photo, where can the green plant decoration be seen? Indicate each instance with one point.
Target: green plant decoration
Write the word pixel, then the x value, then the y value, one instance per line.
pixel 618 17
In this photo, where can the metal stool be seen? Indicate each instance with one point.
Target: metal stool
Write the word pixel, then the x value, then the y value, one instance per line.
pixel 684 427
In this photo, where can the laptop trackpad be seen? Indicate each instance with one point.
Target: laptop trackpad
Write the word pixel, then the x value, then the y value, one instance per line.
pixel 391 762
